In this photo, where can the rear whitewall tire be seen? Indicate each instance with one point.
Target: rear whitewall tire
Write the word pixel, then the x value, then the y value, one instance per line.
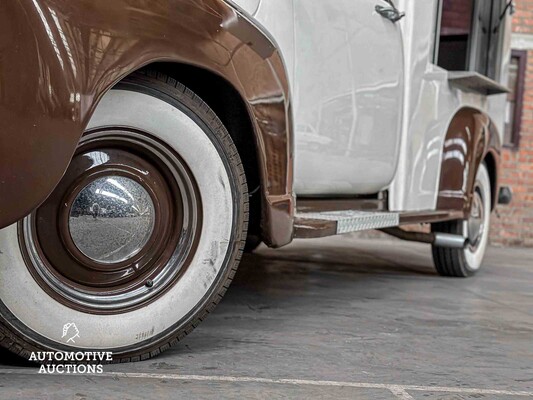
pixel 466 262
pixel 32 319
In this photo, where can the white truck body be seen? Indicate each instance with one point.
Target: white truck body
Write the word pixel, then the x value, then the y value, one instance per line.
pixel 369 96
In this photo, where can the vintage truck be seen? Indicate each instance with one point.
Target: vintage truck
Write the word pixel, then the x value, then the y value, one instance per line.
pixel 144 143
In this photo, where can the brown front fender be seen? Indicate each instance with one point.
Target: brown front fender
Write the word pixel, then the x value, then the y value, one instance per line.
pixel 59 57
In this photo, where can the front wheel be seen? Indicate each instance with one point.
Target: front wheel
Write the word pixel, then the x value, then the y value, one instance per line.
pixel 466 262
pixel 140 239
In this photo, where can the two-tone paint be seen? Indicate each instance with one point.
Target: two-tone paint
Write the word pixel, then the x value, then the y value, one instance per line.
pixel 347 96
pixel 59 58
pixel 374 100
pixel 434 111
pixel 371 111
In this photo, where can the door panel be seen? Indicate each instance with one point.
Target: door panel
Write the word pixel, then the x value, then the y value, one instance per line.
pixel 347 94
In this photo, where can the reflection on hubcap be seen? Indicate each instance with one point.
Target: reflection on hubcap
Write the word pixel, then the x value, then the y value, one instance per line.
pixel 111 219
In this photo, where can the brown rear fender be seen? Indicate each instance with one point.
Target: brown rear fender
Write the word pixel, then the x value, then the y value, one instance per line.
pixel 471 138
pixel 58 58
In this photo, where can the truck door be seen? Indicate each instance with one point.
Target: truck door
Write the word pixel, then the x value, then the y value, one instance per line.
pixel 348 95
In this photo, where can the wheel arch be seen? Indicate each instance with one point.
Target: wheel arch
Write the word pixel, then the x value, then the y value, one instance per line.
pixel 491 160
pixel 230 107
pixel 214 37
pixel 471 138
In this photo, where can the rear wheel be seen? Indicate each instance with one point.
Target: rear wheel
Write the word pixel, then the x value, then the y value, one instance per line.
pixel 466 262
pixel 141 238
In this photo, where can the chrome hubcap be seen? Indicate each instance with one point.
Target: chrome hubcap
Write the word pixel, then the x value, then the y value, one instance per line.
pixel 111 219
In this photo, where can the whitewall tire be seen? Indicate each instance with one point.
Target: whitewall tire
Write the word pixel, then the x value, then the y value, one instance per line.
pixel 466 262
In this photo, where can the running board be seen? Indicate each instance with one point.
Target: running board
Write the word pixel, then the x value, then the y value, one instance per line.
pixel 328 223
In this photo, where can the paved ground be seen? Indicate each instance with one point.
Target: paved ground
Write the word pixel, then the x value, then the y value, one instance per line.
pixel 337 318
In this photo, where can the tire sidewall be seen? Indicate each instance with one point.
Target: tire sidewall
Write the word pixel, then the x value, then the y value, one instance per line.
pixel 474 259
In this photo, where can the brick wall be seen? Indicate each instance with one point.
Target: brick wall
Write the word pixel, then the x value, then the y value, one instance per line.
pixel 513 225
pixel 523 18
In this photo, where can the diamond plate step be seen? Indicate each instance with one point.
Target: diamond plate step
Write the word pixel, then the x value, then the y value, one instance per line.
pixel 327 223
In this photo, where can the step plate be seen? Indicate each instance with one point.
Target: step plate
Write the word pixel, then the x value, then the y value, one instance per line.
pixel 354 221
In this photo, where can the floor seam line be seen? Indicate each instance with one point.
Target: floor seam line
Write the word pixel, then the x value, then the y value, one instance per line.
pixel 302 382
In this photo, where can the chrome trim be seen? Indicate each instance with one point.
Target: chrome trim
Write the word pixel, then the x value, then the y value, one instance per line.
pixel 353 220
pixel 450 241
pixel 391 13
pixel 111 219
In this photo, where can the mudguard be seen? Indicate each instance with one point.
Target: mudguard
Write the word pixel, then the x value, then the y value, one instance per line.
pixel 471 138
pixel 59 57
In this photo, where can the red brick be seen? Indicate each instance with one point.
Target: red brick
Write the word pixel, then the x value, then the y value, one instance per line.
pixel 514 226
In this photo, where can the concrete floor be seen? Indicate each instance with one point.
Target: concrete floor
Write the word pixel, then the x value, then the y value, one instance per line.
pixel 336 318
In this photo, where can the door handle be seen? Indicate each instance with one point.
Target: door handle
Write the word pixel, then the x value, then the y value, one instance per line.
pixel 391 13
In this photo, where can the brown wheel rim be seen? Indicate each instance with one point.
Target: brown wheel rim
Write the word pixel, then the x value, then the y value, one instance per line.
pixel 119 229
pixel 475 224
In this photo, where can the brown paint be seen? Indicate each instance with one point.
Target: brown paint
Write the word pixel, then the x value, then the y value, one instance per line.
pixel 59 57
pixel 314 228
pixel 422 217
pixel 470 138
pixel 52 222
